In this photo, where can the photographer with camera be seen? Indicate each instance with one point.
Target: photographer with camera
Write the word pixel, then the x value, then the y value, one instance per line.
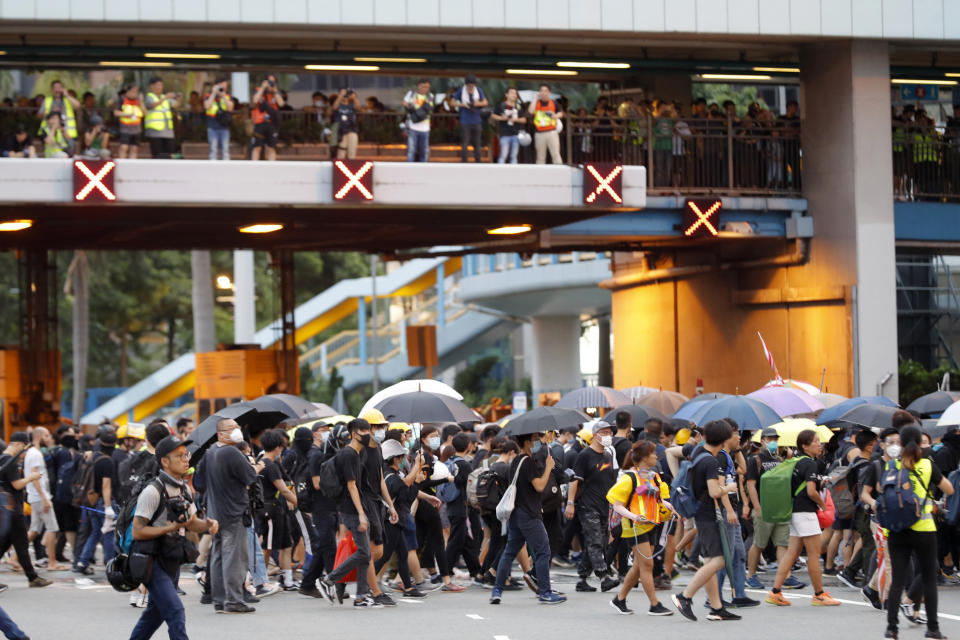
pixel 218 105
pixel 158 122
pixel 418 104
pixel 267 101
pixel 165 509
pixel 472 104
pixel 345 117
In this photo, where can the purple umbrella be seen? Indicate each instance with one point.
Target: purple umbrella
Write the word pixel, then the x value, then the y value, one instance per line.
pixel 787 401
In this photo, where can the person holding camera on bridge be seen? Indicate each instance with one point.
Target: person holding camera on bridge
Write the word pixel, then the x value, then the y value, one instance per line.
pixel 158 122
pixel 267 102
pixel 218 105
pixel 165 508
pixel 345 116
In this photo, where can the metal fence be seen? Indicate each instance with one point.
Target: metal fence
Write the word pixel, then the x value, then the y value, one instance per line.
pixel 926 164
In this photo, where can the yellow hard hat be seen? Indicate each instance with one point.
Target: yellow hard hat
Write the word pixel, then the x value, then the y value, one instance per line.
pixel 373 416
pixel 136 430
pixel 121 432
pixel 683 435
pixel 586 435
pixel 399 426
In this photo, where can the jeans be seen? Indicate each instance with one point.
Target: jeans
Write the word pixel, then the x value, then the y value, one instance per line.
pixel 418 146
pixel 96 523
pixel 164 605
pixel 228 566
pixel 509 147
pixel 525 529
pixel 593 527
pixel 9 628
pixel 359 560
pixel 221 138
pixel 739 553
pixel 255 565
pixel 470 135
pixel 323 546
pixel 903 545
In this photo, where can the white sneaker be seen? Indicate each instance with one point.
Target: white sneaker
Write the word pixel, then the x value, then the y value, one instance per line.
pixel 134 598
pixel 142 602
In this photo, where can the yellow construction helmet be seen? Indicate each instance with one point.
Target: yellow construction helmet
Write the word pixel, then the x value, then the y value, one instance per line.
pixel 682 436
pixel 136 430
pixel 121 432
pixel 399 426
pixel 373 416
pixel 586 435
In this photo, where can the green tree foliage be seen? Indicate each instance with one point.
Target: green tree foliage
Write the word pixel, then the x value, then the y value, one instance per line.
pixel 741 96
pixel 916 380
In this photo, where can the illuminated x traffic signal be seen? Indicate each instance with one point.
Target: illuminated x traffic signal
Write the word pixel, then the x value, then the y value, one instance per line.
pixel 352 180
pixel 700 218
pixel 603 184
pixel 93 181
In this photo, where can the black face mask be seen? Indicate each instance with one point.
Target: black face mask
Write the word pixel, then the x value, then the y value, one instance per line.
pixel 70 442
pixel 365 439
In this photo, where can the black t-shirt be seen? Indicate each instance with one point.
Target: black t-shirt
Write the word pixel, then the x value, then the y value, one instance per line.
pixel 10 471
pixel 372 461
pixel 759 464
pixel 622 446
pixel 402 495
pixel 349 468
pixel 727 468
pixel 346 117
pixel 105 468
pixel 528 498
pixel 597 476
pixel 868 477
pixel 320 502
pixel 805 471
pixel 705 467
pixel 10 143
pixel 272 472
pixel 504 127
pixel 119 455
pixel 458 507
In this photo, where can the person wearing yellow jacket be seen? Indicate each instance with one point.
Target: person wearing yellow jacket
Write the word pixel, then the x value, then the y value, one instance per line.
pixel 159 119
pixel 130 115
pixel 63 103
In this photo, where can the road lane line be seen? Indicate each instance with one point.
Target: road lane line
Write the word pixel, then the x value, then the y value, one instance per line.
pixel 474 616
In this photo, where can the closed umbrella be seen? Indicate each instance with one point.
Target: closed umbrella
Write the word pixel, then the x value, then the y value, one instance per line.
pixel 724 542
pixel 206 432
pixel 543 419
pixel 639 414
pixel 790 428
pixel 424 406
pixel 833 413
pixel 787 401
pixel 406 386
pixel 587 397
pixel 666 402
pixel 932 405
pixel 749 414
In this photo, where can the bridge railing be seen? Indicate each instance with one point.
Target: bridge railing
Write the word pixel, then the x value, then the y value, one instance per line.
pixel 926 163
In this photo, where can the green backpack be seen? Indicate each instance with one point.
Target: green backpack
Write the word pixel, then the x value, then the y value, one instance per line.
pixel 776 491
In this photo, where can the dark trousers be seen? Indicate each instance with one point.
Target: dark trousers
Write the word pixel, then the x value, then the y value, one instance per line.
pixel 323 546
pixel 923 545
pixel 553 523
pixel 620 550
pixel 571 531
pixel 17 538
pixel 162 147
pixel 395 543
pixel 593 526
pixel 861 523
pixel 470 135
pixel 948 543
pixel 164 605
pixel 430 535
pixel 496 544
pixel 359 559
pixel 462 543
pixel 524 529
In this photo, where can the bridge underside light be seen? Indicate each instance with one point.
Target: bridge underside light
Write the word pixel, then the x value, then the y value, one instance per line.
pixel 509 230
pixel 15 225
pixel 261 228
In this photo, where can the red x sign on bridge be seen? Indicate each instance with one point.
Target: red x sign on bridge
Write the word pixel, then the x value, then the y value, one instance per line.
pixel 701 218
pixel 93 181
pixel 352 180
pixel 603 184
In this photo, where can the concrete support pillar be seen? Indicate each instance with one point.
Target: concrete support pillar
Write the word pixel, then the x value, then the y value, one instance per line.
pixel 244 294
pixel 555 351
pixel 848 182
pixel 605 364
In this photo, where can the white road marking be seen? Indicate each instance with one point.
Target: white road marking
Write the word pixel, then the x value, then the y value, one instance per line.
pixel 501 637
pixel 410 601
pixel 853 602
pixel 474 616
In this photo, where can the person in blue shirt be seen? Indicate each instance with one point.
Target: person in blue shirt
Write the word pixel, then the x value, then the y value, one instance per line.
pixel 470 100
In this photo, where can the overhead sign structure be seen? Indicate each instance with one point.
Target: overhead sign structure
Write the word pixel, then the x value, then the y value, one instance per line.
pixel 603 184
pixel 352 181
pixel 701 218
pixel 93 181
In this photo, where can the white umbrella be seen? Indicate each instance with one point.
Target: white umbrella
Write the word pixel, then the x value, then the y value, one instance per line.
pixel 797 384
pixel 636 392
pixel 830 399
pixel 408 386
pixel 951 415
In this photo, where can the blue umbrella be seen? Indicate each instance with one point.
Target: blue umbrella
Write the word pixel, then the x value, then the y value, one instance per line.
pixel 833 413
pixel 750 414
pixel 692 405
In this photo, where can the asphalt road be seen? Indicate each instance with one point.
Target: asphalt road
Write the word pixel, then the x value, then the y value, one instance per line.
pixel 68 610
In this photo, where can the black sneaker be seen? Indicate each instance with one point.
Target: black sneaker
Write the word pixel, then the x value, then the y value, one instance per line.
pixel 684 606
pixel 743 603
pixel 313 592
pixel 659 610
pixel 584 587
pixel 327 589
pixel 722 614
pixel 512 585
pixel 847 579
pixel 935 634
pixel 206 598
pixel 608 583
pixel 238 608
pixel 621 606
pixel 3 588
pixel 531 581
pixel 366 602
pixel 384 600
pixel 340 590
pixel 891 633
pixel 413 593
pixel 249 598
pixel 871 596
pixel 830 572
pixel 218 608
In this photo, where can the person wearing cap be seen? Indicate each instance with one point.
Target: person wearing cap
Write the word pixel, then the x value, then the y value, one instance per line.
pixel 102 515
pixel 765 532
pixel 470 101
pixel 375 496
pixel 154 519
pixel 42 517
pixel 594 472
pixel 18 144
pixel 56 144
pixel 13 482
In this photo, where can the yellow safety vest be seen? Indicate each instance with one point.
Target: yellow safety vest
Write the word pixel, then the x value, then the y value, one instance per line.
pixel 541 121
pixel 215 107
pixel 160 118
pixel 59 144
pixel 132 114
pixel 923 148
pixel 69 118
pixel 922 469
pixel 899 137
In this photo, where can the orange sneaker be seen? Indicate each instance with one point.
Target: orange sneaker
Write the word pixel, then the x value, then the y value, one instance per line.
pixel 777 599
pixel 824 600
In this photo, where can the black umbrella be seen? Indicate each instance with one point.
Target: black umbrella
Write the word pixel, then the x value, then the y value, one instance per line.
pixel 289 405
pixel 933 404
pixel 320 410
pixel 424 406
pixel 586 397
pixel 870 415
pixel 543 419
pixel 639 414
pixel 206 432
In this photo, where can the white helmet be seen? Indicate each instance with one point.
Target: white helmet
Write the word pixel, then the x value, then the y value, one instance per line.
pixel 524 139
pixel 440 471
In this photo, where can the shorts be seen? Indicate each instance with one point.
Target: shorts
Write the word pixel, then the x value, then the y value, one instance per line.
pixel 68 516
pixel 130 139
pixel 274 527
pixel 708 533
pixel 40 519
pixel 842 524
pixel 804 524
pixel 264 134
pixel 640 538
pixel 374 511
pixel 766 532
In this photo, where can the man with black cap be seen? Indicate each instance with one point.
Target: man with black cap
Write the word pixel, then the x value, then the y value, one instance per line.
pixel 102 515
pixel 18 144
pixel 13 482
pixel 165 508
pixel 470 100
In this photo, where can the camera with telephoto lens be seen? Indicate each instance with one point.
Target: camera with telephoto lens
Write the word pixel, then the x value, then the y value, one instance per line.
pixel 179 508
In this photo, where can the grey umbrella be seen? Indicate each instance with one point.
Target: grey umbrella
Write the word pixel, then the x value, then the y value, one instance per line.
pixel 587 397
pixel 543 419
pixel 424 406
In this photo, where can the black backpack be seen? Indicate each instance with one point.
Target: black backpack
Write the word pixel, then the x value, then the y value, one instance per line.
pixel 331 486
pixel 63 489
pixel 83 490
pixel 490 488
pixel 138 469
pixel 302 481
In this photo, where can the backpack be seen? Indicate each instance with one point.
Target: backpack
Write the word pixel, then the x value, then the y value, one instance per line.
pixel 952 504
pixel 63 489
pixel 473 481
pixel 489 489
pixel 777 493
pixel 449 491
pixel 681 492
pixel 331 486
pixel 302 481
pixel 841 492
pixel 898 506
pixel 123 532
pixel 83 491
pixel 137 469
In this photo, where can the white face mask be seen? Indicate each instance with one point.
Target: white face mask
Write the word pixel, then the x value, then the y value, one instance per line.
pixel 893 451
pixel 433 443
pixel 236 436
pixel 324 436
pixel 379 434
pixel 606 441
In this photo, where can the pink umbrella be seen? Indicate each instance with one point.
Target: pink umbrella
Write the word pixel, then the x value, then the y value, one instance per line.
pixel 787 401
